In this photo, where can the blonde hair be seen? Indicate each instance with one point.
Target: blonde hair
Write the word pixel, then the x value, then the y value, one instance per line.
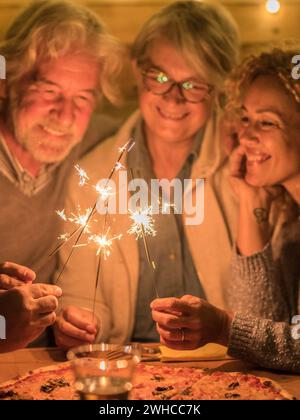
pixel 203 32
pixel 277 63
pixel 49 29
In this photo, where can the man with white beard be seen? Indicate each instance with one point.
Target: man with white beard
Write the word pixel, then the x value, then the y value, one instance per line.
pixel 59 61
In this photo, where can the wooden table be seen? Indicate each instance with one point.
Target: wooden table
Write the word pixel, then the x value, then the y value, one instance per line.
pixel 21 361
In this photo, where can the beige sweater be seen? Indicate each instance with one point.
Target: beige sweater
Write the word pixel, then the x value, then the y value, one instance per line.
pixel 210 242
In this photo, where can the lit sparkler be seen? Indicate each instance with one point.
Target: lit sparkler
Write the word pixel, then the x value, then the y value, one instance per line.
pixel 119 166
pixel 62 214
pixel 142 222
pixel 83 178
pixel 64 236
pixel 82 220
pixel 165 207
pixel 104 243
pixel 104 192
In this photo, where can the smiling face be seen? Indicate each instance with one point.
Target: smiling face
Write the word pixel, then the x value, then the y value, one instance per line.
pixel 55 110
pixel 170 117
pixel 270 133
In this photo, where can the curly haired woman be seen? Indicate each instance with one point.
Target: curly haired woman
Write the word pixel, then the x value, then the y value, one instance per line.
pixel 265 176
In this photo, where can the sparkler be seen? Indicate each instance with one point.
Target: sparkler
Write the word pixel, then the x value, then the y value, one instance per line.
pixel 143 224
pixel 104 193
pixel 104 243
pixel 83 220
pixel 165 207
pixel 82 175
pixel 62 214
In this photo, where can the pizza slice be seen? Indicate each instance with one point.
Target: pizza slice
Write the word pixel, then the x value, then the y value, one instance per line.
pixel 233 386
pixel 54 382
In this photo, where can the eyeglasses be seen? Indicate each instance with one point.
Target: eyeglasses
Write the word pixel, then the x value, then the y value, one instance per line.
pixel 159 83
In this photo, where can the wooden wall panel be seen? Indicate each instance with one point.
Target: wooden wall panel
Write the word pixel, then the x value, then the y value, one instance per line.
pixel 126 17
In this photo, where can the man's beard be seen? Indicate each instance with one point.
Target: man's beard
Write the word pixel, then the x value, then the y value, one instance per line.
pixel 43 146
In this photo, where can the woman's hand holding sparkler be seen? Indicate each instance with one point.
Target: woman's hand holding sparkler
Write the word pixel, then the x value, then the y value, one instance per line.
pixel 75 326
pixel 28 310
pixel 190 322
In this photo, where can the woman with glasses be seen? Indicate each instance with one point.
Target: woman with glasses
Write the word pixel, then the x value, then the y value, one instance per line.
pixel 180 60
pixel 265 175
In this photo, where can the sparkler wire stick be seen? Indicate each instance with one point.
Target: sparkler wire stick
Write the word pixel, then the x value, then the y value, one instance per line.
pixel 96 285
pixel 150 261
pixel 127 146
pixel 63 243
pixel 98 270
pixel 76 242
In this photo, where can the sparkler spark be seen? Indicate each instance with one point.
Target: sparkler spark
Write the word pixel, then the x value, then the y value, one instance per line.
pixel 62 214
pixel 83 177
pixel 127 146
pixel 143 222
pixel 119 166
pixel 166 206
pixel 104 192
pixel 79 245
pixel 64 236
pixel 81 219
pixel 104 243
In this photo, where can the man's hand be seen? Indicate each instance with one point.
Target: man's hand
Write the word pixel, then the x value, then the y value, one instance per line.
pixel 75 326
pixel 28 310
pixel 14 275
pixel 190 322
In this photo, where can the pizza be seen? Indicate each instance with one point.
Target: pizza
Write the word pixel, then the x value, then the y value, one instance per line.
pixel 55 382
pixel 183 383
pixel 151 382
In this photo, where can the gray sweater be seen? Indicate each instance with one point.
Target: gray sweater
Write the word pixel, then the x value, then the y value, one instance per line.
pixel 264 293
pixel 29 226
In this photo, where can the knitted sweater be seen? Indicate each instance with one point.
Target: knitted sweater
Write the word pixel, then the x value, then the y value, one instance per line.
pixel 29 226
pixel 267 284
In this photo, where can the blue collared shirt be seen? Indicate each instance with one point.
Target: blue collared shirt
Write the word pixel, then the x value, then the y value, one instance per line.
pixel 175 273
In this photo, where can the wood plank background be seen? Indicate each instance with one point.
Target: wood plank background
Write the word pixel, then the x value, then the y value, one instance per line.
pixel 257 27
pixel 125 17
